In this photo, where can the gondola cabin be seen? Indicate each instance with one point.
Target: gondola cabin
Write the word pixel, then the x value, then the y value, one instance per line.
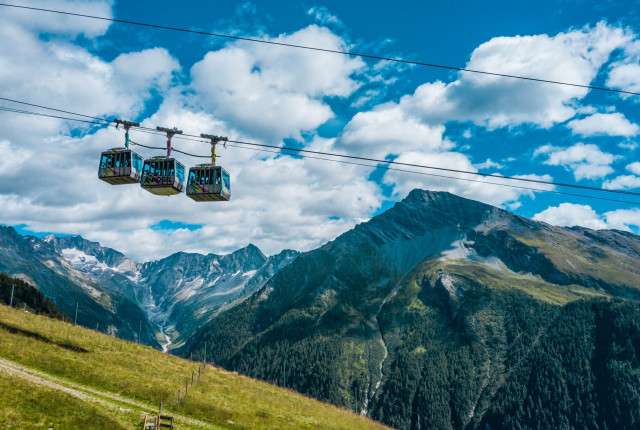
pixel 163 176
pixel 209 183
pixel 120 166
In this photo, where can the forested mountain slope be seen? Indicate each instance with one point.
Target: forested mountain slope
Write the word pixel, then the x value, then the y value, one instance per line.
pixel 434 309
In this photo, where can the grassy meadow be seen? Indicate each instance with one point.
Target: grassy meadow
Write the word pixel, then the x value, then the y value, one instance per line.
pixel 129 380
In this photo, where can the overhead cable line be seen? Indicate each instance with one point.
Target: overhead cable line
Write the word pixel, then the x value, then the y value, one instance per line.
pixel 332 51
pixel 56 110
pixel 386 167
pixel 5 109
pixel 382 164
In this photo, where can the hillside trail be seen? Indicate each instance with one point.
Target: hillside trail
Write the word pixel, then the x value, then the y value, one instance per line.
pixel 104 398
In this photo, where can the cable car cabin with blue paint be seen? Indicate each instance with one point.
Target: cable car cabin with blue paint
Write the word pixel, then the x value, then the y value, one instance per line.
pixel 120 166
pixel 163 176
pixel 209 183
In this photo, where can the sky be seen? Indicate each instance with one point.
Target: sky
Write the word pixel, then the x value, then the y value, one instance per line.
pixel 319 101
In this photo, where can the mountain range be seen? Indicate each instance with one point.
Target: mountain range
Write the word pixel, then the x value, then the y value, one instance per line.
pixel 163 302
pixel 441 312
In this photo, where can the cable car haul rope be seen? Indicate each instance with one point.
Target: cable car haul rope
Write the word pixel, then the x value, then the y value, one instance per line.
pixel 205 183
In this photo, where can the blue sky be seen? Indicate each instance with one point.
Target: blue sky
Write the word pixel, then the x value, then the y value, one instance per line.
pixel 322 102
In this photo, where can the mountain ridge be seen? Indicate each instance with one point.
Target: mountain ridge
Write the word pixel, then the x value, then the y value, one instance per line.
pixel 433 263
pixel 172 294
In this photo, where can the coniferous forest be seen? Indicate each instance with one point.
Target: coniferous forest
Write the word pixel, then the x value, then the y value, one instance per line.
pixel 25 294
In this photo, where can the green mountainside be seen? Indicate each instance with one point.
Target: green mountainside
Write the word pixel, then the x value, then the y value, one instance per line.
pixel 444 310
pixel 55 375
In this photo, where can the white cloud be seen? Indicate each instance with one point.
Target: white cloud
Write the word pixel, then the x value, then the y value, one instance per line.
pixel 322 15
pixel 609 124
pixel 388 129
pixel 494 102
pixel 69 76
pixel 488 164
pixel 275 91
pixel 68 25
pixel 570 214
pixel 622 182
pixel 151 68
pixel 634 167
pixel 586 161
pixel 624 74
pixel 624 219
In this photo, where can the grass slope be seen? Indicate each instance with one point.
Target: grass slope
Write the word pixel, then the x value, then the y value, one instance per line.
pixel 120 381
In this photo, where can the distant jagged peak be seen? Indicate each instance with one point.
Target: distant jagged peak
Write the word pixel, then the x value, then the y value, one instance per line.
pixel 50 238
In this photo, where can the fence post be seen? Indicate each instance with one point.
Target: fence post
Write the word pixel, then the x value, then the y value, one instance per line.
pixel 160 410
pixel 75 321
pixel 178 397
pixel 186 387
pixel 13 287
pixel 192 375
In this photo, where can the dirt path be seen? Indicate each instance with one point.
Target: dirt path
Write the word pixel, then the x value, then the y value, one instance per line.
pixel 104 398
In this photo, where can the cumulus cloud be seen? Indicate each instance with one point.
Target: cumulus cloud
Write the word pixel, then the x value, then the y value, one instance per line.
pixel 69 76
pixel 570 214
pixel 585 161
pixel 65 25
pixel 608 124
pixel 622 182
pixel 625 181
pixel 491 101
pixel 388 129
pixel 634 167
pixel 623 74
pixel 275 91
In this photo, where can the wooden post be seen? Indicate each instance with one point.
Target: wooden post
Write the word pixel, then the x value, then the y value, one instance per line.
pixel 192 375
pixel 139 332
pixel 75 321
pixel 160 410
pixel 178 397
pixel 186 387
pixel 13 287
